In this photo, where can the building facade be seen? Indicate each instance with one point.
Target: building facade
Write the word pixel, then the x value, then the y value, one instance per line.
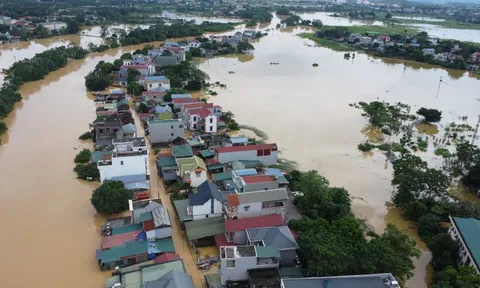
pixel 265 153
pixel 466 231
pixel 163 131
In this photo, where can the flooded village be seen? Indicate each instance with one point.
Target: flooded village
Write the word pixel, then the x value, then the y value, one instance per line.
pixel 204 201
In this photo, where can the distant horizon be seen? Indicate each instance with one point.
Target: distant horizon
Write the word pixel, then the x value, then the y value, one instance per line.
pixel 445 1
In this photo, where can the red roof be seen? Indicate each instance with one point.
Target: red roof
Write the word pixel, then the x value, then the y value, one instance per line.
pixel 135 66
pixel 217 106
pixel 202 112
pixel 148 225
pixel 271 146
pixel 197 105
pixel 235 225
pixel 184 100
pixel 212 161
pixel 166 257
pixel 232 199
pixel 153 93
pixel 117 240
pixel 144 115
pixel 257 179
pixel 221 240
pixel 176 49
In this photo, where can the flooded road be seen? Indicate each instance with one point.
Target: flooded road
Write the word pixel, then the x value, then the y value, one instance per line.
pixel 304 109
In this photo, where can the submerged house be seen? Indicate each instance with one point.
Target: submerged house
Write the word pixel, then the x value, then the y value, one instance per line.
pixel 207 202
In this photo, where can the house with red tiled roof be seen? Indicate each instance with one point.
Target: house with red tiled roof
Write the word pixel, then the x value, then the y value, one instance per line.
pixel 265 153
pixel 177 103
pixel 201 119
pixel 235 229
pixel 250 183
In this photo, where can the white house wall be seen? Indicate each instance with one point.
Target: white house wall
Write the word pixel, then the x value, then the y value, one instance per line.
pixel 125 166
pixel 250 210
pixel 196 181
pixel 201 211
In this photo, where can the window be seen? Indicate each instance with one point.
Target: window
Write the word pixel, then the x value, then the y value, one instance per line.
pixel 230 263
pixel 194 118
pixel 100 131
pixel 171 134
pixel 198 174
pixel 259 152
pixel 180 126
pixel 171 127
pixel 211 128
pixel 211 120
pixel 206 216
pixel 266 152
pixel 150 85
pixel 121 162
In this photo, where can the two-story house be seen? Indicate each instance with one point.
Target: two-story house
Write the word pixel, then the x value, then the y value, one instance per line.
pixel 192 170
pixel 251 183
pixel 128 160
pixel 265 153
pixel 280 237
pixel 466 231
pixel 235 229
pixel 153 82
pixel 156 96
pixel 237 262
pixel 207 202
pixel 164 131
pixel 202 119
pixel 254 204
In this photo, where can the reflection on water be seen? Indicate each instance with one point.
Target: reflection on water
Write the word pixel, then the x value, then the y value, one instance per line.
pixel 337 21
pixel 449 33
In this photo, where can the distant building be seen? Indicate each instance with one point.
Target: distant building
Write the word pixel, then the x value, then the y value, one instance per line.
pixel 164 131
pixel 152 82
pixel 265 153
pixel 428 51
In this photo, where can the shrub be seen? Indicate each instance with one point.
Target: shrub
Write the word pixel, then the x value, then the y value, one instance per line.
pixel 365 147
pixel 83 156
pixel 87 171
pixel 111 197
pixel 85 136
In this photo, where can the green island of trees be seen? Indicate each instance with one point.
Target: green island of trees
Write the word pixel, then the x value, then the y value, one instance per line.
pixel 111 197
pixel 331 239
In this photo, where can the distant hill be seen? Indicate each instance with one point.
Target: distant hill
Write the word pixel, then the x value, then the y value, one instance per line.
pixel 445 1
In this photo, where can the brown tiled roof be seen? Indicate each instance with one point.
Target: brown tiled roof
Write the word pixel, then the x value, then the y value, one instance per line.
pixel 257 179
pixel 148 225
pixel 233 200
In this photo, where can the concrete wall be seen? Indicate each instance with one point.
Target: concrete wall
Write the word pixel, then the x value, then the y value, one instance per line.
pixel 124 166
pixel 201 211
pixel 240 271
pixel 164 232
pixel 287 258
pixel 211 124
pixel 261 186
pixel 255 210
pixel 161 132
pixel 247 155
pixel 197 180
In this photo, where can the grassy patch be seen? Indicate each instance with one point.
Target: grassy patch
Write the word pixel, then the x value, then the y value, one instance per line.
pixel 390 30
pixel 284 164
pixel 337 46
pixel 444 24
pixel 255 130
pixel 442 152
pixel 422 145
pixel 216 27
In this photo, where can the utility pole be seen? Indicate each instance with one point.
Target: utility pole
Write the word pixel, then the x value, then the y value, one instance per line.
pixel 439 84
pixel 476 131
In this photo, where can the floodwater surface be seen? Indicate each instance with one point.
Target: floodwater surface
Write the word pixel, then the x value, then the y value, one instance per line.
pixel 46 213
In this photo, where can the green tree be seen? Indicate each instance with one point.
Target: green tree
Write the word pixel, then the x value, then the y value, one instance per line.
pixel 111 197
pixel 126 56
pixel 429 225
pixel 463 277
pixel 282 11
pixel 244 46
pixel 73 27
pixel 317 23
pixel 3 128
pixel 87 171
pixel 143 108
pixel 388 16
pixel 96 82
pixel 430 115
pixel 134 88
pixel 186 76
pixel 132 75
pixel 83 156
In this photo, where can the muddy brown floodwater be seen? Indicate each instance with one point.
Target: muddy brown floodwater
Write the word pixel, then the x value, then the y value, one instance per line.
pixel 50 228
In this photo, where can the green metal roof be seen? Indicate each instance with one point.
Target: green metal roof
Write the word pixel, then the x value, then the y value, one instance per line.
pixel 181 208
pixel 123 101
pixel 222 176
pixel 267 251
pixel 166 161
pixel 167 115
pixel 215 166
pixel 126 229
pixel 207 153
pixel 127 249
pixel 469 228
pixel 145 217
pixel 204 228
pixel 250 163
pixel 184 150
pixel 291 272
pixel 97 155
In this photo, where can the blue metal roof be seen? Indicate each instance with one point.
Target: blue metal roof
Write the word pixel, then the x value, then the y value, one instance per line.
pixel 130 178
pixel 246 172
pixel 155 78
pixel 180 96
pixel 137 185
pixel 273 172
pixel 238 139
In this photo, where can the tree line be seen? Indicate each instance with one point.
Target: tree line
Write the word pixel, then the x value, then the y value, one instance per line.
pixel 33 69
pixel 333 242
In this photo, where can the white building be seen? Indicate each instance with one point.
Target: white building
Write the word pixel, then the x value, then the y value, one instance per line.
pixel 153 82
pixel 202 119
pixel 128 162
pixel 192 170
pixel 255 204
pixel 207 202
pixel 428 51
pixel 265 153
pixel 194 44
pixel 466 231
pixel 54 25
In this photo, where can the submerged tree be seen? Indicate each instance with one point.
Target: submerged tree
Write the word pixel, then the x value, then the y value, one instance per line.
pixel 111 197
pixel 430 115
